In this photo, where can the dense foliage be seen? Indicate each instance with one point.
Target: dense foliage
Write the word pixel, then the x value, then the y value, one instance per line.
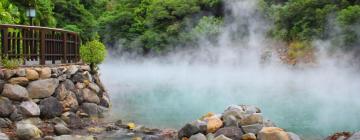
pixel 157 26
pixel 93 53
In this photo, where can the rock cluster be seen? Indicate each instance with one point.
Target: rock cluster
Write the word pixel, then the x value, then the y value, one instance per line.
pixel 238 122
pixel 65 93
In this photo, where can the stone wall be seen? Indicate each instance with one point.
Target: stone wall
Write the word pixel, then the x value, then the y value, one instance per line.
pixel 67 92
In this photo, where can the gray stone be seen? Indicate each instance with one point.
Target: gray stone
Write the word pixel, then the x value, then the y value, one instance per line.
pixel 78 77
pixel 210 136
pixel 105 101
pixel 1 74
pixel 355 136
pixel 16 115
pixel 234 133
pixel 15 92
pixel 73 137
pixel 42 88
pixel 231 121
pixel 34 121
pixel 293 136
pixel 3 136
pixel 21 72
pixel 85 67
pixel 25 131
pixel 188 130
pixel 254 128
pixel 72 70
pixel 19 80
pixel 50 108
pixel 250 109
pixel 90 96
pixel 5 123
pixel 62 77
pixel 234 111
pixel 88 76
pixel 6 107
pixel 69 85
pixel 222 137
pixel 61 129
pixel 94 87
pixel 80 85
pixel 2 84
pixel 252 119
pixel 91 109
pixel 29 108
pixel 201 125
pixel 73 121
pixel 198 136
pixel 9 73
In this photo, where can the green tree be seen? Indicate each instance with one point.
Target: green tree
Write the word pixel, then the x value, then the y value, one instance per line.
pixel 93 53
pixel 9 13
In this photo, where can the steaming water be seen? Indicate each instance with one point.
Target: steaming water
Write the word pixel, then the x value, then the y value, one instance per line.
pixel 173 90
pixel 311 102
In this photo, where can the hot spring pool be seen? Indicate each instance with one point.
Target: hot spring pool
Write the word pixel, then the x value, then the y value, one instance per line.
pixel 312 103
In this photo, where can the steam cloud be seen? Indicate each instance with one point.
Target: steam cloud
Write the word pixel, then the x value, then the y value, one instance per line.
pixel 171 90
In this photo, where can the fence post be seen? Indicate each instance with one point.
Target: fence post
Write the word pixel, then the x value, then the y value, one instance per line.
pixel 64 60
pixel 5 42
pixel 42 46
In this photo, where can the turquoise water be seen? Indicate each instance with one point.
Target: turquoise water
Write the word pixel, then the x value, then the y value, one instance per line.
pixel 313 103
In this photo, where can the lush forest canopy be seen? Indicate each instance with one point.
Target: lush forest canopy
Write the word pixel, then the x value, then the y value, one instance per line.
pixel 157 26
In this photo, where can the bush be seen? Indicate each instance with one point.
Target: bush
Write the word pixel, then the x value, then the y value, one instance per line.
pixel 93 53
pixel 11 63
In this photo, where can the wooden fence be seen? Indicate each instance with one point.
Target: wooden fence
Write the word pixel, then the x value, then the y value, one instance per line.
pixel 39 44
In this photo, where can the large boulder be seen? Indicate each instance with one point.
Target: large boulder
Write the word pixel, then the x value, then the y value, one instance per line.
pixel 50 108
pixel 188 130
pixel 198 136
pixel 213 124
pixel 42 88
pixel 252 119
pixel 29 108
pixel 6 107
pixel 91 109
pixel 45 73
pixel 19 80
pixel 233 133
pixel 90 96
pixel 355 136
pixel 273 133
pixel 25 131
pixel 15 92
pixel 234 111
pixel 32 74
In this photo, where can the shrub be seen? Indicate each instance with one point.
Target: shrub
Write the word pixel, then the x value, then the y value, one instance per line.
pixel 93 53
pixel 11 63
pixel 298 49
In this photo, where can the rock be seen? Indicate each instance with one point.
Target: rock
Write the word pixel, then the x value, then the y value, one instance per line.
pixel 5 123
pixel 231 121
pixel 32 74
pixel 234 133
pixel 2 84
pixel 90 96
pixel 78 77
pixel 234 111
pixel 16 116
pixel 29 108
pixel 198 136
pixel 210 136
pixel 42 88
pixel 222 137
pixel 85 67
pixel 45 73
pixel 26 131
pixel 73 121
pixel 69 85
pixel 105 101
pixel 268 123
pixel 248 136
pixel 80 85
pixel 34 121
pixel 293 136
pixel 6 107
pixel 152 137
pixel 73 137
pixel 70 102
pixel 3 136
pixel 58 120
pixel 72 70
pixel 1 74
pixel 62 77
pixel 213 124
pixel 87 76
pixel 90 108
pixel 188 130
pixel 273 133
pixel 254 128
pixel 355 136
pixel 15 92
pixel 252 119
pixel 94 87
pixel 9 73
pixel 61 129
pixel 21 72
pixel 19 80
pixel 250 109
pixel 202 125
pixel 61 92
pixel 50 108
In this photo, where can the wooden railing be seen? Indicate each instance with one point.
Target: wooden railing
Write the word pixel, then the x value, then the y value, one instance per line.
pixel 40 45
